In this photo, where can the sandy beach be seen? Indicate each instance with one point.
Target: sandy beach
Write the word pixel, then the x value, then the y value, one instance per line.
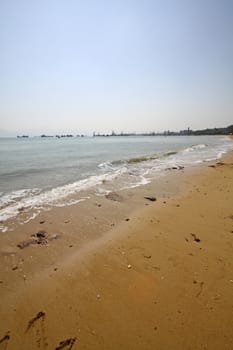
pixel 126 272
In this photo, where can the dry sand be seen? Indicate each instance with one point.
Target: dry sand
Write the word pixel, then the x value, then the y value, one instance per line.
pixel 161 277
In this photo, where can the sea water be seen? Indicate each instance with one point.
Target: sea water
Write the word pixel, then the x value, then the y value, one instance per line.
pixel 39 173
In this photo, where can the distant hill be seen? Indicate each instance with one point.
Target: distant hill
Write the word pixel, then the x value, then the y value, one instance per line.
pixel 216 131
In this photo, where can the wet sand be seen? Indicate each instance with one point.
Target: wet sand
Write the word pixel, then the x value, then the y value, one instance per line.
pixel 128 273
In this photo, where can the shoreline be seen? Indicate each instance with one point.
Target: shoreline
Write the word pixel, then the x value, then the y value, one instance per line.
pixel 147 282
pixel 19 206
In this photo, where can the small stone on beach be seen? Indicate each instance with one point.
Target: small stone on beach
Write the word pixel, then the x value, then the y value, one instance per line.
pixel 129 266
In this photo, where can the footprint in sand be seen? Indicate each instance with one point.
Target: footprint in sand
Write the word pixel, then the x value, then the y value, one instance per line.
pixel 4 341
pixel 66 344
pixel 36 325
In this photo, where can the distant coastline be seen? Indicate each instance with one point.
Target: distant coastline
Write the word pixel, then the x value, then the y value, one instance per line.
pixel 215 131
pixel 187 132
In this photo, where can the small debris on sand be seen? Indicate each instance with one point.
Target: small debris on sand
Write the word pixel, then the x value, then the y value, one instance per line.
pixel 114 197
pixel 195 238
pixel 38 238
pixel 129 266
pixel 40 234
pixel 176 167
pixel 27 243
pixel 151 198
pixel 41 237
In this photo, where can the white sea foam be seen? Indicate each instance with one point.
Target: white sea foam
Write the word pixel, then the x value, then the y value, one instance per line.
pixel 140 182
pixel 71 202
pixel 195 147
pixel 53 197
pixel 105 165
pixel 15 196
pixel 3 229
pixel 33 216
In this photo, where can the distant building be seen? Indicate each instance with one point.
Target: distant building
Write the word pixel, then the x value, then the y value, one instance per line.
pixel 186 132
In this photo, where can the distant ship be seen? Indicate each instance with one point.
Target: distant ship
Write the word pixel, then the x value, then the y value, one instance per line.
pixel 22 136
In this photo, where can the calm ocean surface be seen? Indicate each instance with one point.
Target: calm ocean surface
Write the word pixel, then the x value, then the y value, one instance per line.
pixel 37 173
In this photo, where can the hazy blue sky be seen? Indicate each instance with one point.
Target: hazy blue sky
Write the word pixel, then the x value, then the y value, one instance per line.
pixel 80 66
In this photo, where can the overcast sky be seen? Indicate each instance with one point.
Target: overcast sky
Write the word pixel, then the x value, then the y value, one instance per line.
pixel 79 66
